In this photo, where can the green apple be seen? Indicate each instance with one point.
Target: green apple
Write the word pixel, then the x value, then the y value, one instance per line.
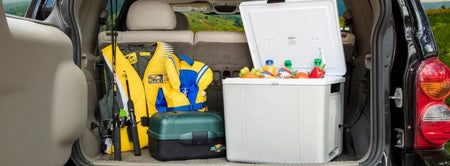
pixel 243 71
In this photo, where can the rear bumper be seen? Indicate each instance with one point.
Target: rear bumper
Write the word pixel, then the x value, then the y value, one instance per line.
pixel 428 157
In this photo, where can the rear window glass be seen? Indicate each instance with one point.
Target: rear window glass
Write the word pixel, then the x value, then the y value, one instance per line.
pixel 210 22
pixel 341 11
pixel 114 12
pixel 214 22
pixel 16 7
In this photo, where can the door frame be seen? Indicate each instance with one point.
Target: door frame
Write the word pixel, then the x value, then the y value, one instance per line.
pixel 379 151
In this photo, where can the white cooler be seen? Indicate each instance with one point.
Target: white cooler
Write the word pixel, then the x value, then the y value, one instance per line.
pixel 288 120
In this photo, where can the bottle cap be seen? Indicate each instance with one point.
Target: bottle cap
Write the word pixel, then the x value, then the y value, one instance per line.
pixel 269 62
pixel 317 62
pixel 288 64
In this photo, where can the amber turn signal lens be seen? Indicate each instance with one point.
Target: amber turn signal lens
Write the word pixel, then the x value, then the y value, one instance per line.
pixel 434 79
pixel 436 90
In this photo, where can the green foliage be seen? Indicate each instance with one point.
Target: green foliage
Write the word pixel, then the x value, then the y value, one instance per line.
pixel 16 8
pixel 447 147
pixel 204 22
pixel 108 24
pixel 115 13
pixel 16 4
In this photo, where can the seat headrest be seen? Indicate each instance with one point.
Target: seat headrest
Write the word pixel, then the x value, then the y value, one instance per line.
pixel 151 15
pixel 220 37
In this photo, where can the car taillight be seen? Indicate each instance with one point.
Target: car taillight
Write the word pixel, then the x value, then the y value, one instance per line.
pixel 435 124
pixel 434 79
pixel 432 127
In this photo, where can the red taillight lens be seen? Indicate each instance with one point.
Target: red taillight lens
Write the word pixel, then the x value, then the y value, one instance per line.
pixel 432 127
pixel 434 79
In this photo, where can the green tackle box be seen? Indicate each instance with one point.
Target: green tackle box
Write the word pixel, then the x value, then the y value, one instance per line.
pixel 186 135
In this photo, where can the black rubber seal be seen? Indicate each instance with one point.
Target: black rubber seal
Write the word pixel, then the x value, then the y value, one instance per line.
pixel 275 1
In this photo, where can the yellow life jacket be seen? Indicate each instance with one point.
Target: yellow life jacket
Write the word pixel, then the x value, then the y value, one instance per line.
pixel 169 96
pixel 191 78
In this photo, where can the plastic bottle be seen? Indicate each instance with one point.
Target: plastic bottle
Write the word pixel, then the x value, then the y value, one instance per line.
pixel 319 67
pixel 288 65
pixel 286 71
pixel 269 68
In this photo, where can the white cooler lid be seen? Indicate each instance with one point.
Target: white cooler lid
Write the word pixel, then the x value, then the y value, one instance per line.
pixel 294 30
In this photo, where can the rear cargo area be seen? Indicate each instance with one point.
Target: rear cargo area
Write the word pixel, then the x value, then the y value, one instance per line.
pixel 226 53
pixel 130 159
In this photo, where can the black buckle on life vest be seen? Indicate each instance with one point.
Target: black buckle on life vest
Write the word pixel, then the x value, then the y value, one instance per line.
pixel 145 121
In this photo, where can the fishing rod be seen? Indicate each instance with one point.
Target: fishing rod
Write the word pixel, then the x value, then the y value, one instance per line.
pixel 115 109
pixel 132 125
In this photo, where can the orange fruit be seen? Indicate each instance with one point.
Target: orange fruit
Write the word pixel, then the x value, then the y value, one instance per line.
pixel 301 75
pixel 249 75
